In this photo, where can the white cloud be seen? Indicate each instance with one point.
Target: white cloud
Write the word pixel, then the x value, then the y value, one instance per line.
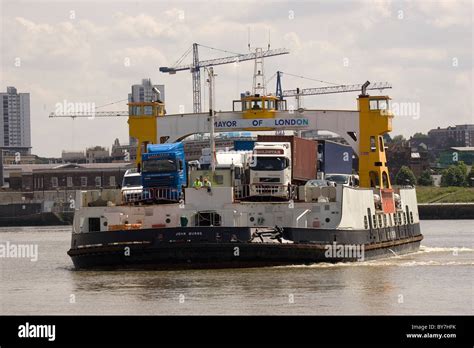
pixel 446 13
pixel 146 26
pixel 84 59
pixel 42 43
pixel 419 54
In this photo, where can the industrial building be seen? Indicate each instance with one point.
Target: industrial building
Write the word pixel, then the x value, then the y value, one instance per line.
pixel 455 155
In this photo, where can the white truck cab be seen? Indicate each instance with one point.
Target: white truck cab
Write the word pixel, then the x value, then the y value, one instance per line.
pixel 270 169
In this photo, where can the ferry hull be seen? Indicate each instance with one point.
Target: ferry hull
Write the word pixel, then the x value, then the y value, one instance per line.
pixel 160 249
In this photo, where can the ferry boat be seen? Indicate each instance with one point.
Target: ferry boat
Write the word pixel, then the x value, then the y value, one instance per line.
pixel 258 209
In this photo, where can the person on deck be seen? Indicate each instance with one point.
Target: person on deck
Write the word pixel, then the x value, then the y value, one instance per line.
pixel 207 184
pixel 197 184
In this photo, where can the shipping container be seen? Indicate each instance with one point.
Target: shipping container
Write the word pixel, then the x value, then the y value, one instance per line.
pixel 244 145
pixel 303 158
pixel 335 157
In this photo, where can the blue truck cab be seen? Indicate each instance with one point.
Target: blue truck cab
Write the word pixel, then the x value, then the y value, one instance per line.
pixel 163 171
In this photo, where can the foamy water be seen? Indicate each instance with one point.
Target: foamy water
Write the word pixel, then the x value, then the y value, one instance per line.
pixel 426 249
pixel 400 260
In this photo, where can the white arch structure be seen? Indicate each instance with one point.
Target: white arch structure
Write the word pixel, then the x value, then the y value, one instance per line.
pixel 343 122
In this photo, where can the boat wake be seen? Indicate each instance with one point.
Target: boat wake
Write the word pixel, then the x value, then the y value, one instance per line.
pixel 384 263
pixel 403 260
pixel 426 249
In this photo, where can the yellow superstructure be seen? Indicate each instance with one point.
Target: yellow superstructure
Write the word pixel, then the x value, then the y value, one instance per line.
pixel 142 124
pixel 375 119
pixel 258 107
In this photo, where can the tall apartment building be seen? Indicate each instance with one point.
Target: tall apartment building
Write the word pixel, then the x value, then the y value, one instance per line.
pixel 145 93
pixel 15 128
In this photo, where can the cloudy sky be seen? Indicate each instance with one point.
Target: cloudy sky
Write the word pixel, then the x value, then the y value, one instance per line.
pixel 92 51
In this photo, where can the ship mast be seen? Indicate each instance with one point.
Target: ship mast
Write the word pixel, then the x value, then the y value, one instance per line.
pixel 258 74
pixel 212 113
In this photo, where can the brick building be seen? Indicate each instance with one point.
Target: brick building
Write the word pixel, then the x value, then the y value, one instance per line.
pixel 98 154
pixel 417 158
pixel 459 135
pixel 48 177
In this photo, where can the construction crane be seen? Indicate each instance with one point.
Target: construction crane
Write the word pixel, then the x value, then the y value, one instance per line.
pixel 298 93
pixel 92 114
pixel 142 121
pixel 196 66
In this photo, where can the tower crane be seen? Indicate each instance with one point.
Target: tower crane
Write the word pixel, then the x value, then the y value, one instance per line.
pixel 298 93
pixel 196 66
pixel 92 115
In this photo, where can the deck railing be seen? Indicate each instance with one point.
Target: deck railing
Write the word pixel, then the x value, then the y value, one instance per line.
pixel 153 194
pixel 265 190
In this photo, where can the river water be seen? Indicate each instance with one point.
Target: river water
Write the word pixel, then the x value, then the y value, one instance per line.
pixel 436 280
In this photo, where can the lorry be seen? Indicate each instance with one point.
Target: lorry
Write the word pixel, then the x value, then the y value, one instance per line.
pixel 163 172
pixel 280 162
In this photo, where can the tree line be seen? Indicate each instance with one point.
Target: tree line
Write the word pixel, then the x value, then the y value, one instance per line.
pixel 454 175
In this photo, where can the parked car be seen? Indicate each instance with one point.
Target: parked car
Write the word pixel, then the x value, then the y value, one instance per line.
pixel 343 179
pixel 319 183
